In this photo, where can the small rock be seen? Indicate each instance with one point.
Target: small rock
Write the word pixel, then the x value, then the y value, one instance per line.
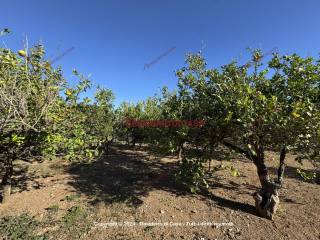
pixel 194 211
pixel 161 211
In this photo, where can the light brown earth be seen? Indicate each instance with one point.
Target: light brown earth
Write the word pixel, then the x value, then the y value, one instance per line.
pixel 130 186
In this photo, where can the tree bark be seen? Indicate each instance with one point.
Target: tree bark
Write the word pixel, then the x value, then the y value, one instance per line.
pixel 267 198
pixel 281 165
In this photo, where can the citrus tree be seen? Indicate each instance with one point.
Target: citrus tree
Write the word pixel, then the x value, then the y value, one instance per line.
pixel 41 116
pixel 81 128
pixel 101 119
pixel 277 109
pixel 29 89
pixel 254 110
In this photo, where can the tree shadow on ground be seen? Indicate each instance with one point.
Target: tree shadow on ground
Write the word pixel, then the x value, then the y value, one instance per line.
pixel 231 204
pixel 125 176
pixel 223 202
pixel 122 176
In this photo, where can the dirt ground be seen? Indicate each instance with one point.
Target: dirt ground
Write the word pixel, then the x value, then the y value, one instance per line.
pixel 138 193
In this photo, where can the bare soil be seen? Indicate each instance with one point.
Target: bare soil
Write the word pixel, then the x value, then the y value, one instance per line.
pixel 130 186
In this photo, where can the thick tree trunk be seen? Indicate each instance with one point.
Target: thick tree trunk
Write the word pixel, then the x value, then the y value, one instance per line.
pixel 267 199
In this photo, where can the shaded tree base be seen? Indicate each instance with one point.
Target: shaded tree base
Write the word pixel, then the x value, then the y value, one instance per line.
pixel 6 193
pixel 266 204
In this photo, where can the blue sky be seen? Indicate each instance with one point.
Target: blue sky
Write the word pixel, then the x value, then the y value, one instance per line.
pixel 113 40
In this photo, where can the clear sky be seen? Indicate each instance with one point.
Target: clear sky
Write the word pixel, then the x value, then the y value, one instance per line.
pixel 113 40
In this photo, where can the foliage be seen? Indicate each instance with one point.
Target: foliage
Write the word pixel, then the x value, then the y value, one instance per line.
pixel 20 227
pixel 144 110
pixel 79 128
pixel 29 88
pixel 250 111
pixel 73 215
pixel 76 222
pixel 191 175
pixel 233 171
pixel 307 176
pixel 42 116
pixel 34 113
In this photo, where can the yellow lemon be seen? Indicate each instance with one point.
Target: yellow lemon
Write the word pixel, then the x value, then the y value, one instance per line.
pixel 22 53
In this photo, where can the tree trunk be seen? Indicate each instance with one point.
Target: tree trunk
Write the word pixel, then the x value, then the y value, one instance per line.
pixel 6 193
pixel 107 148
pixel 134 142
pixel 210 157
pixel 6 182
pixel 318 176
pixel 267 198
pixel 180 151
pixel 281 165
